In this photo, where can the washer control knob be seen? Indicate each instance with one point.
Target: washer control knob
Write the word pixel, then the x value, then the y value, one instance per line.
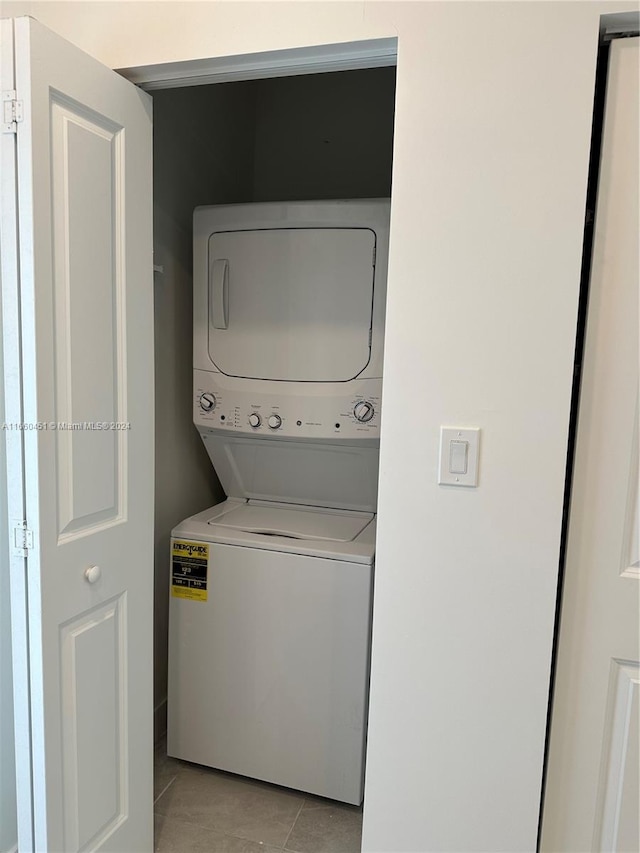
pixel 207 402
pixel 363 411
pixel 275 421
pixel 254 419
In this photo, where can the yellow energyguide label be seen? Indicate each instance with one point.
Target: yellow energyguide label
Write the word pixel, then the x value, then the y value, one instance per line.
pixel 189 569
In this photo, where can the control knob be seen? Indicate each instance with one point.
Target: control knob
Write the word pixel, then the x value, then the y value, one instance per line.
pixel 275 421
pixel 363 411
pixel 254 419
pixel 207 402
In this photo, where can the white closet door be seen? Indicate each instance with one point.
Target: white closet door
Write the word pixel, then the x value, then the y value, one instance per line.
pixel 592 795
pixel 291 304
pixel 82 281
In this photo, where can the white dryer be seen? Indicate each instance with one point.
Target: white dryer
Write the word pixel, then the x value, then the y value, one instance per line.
pixel 271 590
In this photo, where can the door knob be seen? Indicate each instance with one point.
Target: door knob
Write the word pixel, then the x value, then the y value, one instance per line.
pixel 93 573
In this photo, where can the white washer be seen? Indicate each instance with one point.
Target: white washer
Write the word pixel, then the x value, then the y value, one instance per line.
pixel 270 610
pixel 269 652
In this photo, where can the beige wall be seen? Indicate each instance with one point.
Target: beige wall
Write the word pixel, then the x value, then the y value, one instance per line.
pixel 491 151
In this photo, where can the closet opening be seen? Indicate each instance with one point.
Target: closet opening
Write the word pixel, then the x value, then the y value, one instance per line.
pixel 317 137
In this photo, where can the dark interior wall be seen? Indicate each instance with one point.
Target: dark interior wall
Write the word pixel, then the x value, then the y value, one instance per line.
pixel 203 154
pixel 204 138
pixel 324 136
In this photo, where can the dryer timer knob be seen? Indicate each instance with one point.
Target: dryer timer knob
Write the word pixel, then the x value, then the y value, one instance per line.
pixel 363 411
pixel 207 402
pixel 275 421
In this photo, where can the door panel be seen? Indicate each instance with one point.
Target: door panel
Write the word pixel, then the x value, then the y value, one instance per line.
pixel 619 792
pixel 592 794
pixel 95 725
pixel 85 251
pixel 87 156
pixel 297 303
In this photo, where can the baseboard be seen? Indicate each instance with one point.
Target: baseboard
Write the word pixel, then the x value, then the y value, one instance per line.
pixel 160 721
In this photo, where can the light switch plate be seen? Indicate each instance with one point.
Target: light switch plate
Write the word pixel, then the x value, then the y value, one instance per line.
pixel 471 435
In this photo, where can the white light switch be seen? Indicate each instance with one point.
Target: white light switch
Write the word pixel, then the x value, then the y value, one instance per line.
pixel 459 451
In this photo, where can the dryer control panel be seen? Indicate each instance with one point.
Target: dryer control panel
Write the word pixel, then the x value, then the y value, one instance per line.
pixel 284 410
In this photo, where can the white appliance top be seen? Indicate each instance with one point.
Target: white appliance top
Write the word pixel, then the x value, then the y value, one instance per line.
pixel 311 531
pixel 294 522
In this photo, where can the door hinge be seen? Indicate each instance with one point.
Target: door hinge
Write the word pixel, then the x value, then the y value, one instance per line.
pixel 22 538
pixel 12 111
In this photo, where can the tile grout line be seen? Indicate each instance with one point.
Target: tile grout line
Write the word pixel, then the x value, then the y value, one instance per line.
pixel 165 789
pixel 295 820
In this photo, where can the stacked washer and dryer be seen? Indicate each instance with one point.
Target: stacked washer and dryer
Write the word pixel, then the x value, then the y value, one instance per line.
pixel 270 612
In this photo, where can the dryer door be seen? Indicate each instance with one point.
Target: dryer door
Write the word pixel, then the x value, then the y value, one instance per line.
pixel 292 304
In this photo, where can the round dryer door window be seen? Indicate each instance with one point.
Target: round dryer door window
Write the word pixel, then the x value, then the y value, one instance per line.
pixel 291 304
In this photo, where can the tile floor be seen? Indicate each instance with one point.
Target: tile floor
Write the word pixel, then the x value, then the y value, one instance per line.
pixel 198 810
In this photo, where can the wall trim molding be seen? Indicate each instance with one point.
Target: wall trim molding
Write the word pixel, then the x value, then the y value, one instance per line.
pixel 316 59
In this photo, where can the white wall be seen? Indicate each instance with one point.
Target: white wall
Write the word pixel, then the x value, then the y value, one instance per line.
pixel 8 824
pixel 493 116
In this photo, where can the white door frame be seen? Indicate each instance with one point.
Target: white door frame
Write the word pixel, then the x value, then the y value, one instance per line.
pixel 14 439
pixel 315 59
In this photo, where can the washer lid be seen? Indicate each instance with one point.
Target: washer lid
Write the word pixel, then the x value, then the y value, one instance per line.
pixel 311 523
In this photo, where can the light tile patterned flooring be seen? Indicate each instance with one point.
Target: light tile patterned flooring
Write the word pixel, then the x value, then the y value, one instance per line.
pixel 198 810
